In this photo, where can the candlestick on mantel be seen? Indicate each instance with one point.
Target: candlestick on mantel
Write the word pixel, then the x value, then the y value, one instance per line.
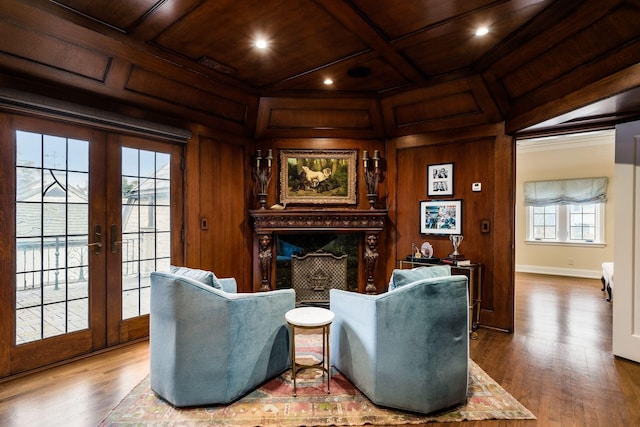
pixel 261 173
pixel 372 175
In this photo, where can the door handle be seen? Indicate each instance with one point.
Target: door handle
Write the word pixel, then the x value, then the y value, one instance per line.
pixel 114 242
pixel 97 240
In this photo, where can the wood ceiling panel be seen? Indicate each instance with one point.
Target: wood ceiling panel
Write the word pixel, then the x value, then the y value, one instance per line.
pixel 302 38
pixel 121 14
pixel 59 54
pixel 153 85
pixel 396 19
pixel 383 77
pixel 342 117
pixel 450 105
pixel 553 63
pixel 454 45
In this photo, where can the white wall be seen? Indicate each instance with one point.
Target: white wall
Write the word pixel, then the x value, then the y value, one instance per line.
pixel 586 155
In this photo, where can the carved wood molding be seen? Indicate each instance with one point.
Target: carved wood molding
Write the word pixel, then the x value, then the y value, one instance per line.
pixel 266 221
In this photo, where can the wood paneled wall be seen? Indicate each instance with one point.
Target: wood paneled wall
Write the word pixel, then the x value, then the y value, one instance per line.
pixel 485 155
pixel 222 207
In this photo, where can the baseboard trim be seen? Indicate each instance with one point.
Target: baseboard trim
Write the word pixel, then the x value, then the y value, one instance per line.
pixel 555 271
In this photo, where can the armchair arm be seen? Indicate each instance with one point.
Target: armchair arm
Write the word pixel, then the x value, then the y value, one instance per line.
pixel 354 336
pixel 229 284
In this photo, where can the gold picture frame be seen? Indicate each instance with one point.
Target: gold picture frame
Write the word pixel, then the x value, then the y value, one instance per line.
pixel 318 177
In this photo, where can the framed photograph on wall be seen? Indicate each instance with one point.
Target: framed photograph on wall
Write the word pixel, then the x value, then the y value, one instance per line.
pixel 441 217
pixel 440 180
pixel 318 177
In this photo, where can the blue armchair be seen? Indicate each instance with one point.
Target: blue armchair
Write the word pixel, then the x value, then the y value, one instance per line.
pixel 210 345
pixel 407 348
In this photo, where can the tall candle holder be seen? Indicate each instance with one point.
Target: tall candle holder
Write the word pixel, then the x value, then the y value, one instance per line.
pixel 261 171
pixel 372 175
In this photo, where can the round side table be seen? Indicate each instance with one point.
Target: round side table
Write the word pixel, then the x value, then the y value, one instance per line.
pixel 310 318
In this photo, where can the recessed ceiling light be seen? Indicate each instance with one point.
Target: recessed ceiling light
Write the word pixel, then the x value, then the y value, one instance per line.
pixel 261 44
pixel 328 82
pixel 482 31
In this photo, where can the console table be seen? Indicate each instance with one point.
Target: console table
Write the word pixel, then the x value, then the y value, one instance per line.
pixel 474 273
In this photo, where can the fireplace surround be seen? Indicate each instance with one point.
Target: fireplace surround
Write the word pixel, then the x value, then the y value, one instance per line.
pixel 369 224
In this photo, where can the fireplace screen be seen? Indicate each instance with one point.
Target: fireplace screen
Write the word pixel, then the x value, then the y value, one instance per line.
pixel 314 274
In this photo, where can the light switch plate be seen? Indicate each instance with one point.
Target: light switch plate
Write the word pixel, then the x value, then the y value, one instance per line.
pixel 476 186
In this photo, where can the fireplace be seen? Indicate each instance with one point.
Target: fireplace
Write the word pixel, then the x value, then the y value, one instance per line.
pixel 279 234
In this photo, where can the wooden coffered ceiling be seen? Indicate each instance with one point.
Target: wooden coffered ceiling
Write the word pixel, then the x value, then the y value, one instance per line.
pixel 400 43
pixel 391 58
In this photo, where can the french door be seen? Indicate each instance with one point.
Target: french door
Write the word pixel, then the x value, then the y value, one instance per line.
pixel 91 214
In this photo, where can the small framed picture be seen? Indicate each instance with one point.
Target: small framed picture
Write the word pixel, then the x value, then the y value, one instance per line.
pixel 441 217
pixel 440 180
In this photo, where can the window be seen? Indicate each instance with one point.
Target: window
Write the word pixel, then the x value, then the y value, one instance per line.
pixel 567 211
pixel 578 223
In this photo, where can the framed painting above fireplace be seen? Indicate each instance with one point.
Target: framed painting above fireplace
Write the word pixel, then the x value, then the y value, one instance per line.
pixel 318 177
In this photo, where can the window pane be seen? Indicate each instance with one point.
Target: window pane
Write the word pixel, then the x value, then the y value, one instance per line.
pixel 576 233
pixel 29 149
pixel 28 255
pixel 78 155
pixel 76 319
pixel 54 219
pixel 589 233
pixel 76 214
pixel 54 320
pixel 129 161
pixel 28 222
pixel 147 246
pixel 28 322
pixel 29 185
pixel 538 220
pixel 550 219
pixel 147 164
pixel 55 152
pixel 589 219
pixel 28 290
pixel 163 245
pixel 79 186
pixel 130 218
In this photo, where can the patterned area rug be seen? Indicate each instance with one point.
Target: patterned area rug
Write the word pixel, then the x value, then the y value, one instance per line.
pixel 273 403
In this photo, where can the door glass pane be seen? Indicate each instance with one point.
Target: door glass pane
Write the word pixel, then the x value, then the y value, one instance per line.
pixel 146 182
pixel 51 236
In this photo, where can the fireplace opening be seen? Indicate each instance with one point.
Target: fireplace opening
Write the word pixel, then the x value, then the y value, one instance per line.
pixel 337 244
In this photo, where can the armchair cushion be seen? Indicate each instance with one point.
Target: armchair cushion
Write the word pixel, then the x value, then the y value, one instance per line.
pixel 203 276
pixel 401 277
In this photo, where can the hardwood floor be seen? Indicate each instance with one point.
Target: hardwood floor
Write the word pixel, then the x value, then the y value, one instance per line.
pixel 558 363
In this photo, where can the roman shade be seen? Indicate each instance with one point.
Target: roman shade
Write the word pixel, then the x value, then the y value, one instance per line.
pixel 565 191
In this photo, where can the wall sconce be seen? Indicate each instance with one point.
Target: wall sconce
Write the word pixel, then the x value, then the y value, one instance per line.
pixel 372 175
pixel 261 171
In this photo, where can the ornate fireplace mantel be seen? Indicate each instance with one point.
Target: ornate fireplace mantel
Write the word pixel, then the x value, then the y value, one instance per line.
pixel 268 222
